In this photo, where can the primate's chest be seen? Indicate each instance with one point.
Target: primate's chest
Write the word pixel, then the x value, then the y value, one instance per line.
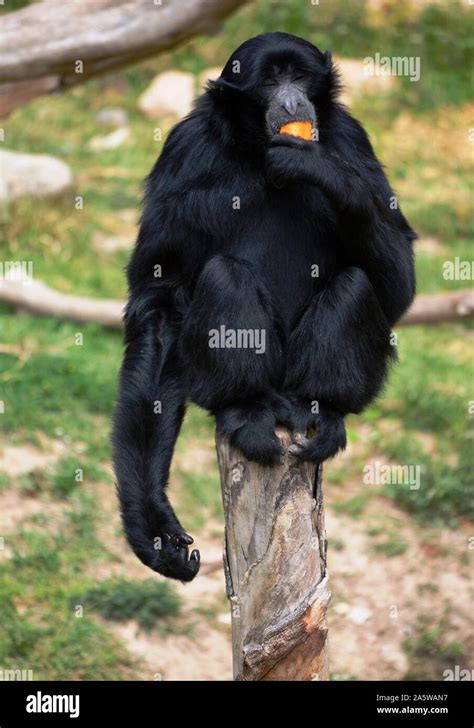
pixel 291 249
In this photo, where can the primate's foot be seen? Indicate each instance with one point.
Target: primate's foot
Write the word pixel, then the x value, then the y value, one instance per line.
pixel 250 427
pixel 293 413
pixel 330 437
pixel 260 446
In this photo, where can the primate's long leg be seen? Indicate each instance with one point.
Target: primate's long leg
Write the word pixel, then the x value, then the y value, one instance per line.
pixel 235 378
pixel 338 358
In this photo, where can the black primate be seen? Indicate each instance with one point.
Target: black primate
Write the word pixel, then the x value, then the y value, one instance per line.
pixel 244 228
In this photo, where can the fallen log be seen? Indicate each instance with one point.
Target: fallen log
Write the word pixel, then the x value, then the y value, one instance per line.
pixel 37 298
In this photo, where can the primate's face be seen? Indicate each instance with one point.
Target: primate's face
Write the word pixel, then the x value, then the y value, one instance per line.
pixel 275 79
pixel 285 93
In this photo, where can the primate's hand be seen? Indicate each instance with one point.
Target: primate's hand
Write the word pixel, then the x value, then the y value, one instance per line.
pixel 290 159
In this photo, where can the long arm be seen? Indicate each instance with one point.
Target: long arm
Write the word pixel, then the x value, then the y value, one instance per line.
pixel 148 417
pixel 179 218
pixel 151 401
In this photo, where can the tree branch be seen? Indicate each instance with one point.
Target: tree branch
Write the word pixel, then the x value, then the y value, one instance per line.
pixel 37 298
pixel 42 43
pixel 437 308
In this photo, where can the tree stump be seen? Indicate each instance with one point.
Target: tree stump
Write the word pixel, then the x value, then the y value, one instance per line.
pixel 275 566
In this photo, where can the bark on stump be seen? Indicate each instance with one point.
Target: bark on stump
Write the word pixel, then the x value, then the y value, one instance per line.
pixel 275 566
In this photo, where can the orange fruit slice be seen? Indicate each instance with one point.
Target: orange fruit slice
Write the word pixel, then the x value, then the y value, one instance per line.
pixel 301 129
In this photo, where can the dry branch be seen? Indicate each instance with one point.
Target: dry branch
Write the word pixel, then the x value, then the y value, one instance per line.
pixel 37 298
pixel 41 44
pixel 437 308
pixel 275 566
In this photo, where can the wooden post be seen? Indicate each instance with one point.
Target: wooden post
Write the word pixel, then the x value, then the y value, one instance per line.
pixel 275 566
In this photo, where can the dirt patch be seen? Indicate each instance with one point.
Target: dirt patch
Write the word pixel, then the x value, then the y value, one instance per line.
pixel 197 458
pixel 15 507
pixel 206 655
pixel 21 459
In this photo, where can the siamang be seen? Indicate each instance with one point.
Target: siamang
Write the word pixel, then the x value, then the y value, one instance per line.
pixel 249 233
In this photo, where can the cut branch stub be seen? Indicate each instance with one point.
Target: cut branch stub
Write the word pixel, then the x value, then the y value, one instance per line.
pixel 275 563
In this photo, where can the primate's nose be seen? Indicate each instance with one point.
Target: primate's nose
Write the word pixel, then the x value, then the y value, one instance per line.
pixel 290 103
pixel 289 98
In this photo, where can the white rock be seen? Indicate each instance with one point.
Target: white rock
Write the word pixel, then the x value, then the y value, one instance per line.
pixel 33 175
pixel 341 608
pixel 356 614
pixel 110 141
pixel 359 615
pixel 112 115
pixel 170 93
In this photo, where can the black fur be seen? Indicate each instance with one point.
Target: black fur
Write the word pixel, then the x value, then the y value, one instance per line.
pixel 302 204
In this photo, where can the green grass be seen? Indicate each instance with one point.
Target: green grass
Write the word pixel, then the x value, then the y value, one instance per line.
pixel 430 652
pixel 62 479
pixel 428 393
pixel 354 506
pixel 392 546
pixel 149 602
pixel 40 630
pixel 199 496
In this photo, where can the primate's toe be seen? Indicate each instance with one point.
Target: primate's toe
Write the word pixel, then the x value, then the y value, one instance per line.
pixel 295 449
pixel 317 449
pixel 190 564
pixel 195 559
pixel 181 539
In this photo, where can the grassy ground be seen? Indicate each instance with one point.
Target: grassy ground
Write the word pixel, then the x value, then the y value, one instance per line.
pixel 59 604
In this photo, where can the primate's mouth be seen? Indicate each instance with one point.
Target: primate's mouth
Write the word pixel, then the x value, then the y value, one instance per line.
pixel 276 120
pixel 276 127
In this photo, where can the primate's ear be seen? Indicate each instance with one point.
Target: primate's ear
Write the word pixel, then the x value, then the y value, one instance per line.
pixel 227 91
pixel 224 85
pixel 327 60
